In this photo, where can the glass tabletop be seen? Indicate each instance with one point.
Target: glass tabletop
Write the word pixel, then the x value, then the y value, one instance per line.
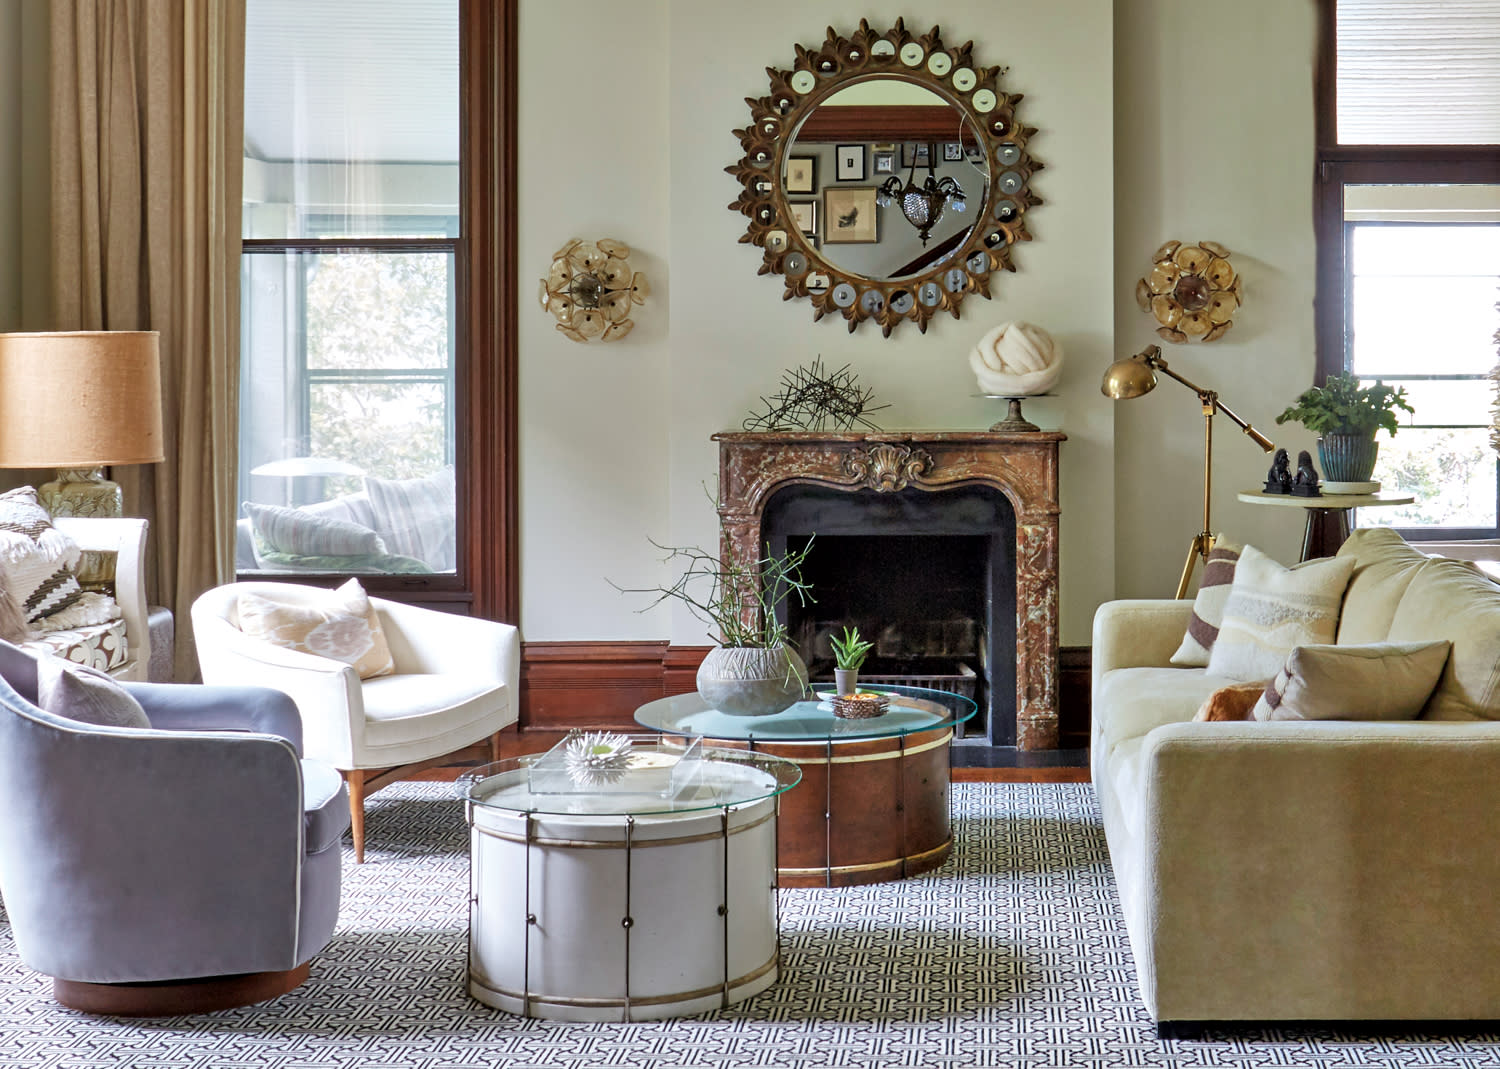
pixel 911 709
pixel 664 775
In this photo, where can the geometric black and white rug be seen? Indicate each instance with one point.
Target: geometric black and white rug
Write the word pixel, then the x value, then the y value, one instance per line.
pixel 1012 954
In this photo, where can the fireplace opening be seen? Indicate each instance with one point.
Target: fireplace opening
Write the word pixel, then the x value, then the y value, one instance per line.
pixel 928 576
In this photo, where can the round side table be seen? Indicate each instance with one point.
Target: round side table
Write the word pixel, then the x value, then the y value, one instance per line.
pixel 1335 506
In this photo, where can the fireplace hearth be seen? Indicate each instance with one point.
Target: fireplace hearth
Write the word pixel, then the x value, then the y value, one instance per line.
pixel 941 546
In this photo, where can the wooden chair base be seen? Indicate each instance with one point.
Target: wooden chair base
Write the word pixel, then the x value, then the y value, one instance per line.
pixel 169 998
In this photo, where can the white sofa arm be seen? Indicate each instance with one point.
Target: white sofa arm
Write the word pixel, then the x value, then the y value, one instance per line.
pixel 327 692
pixel 1143 633
pixel 1317 870
pixel 425 640
pixel 125 537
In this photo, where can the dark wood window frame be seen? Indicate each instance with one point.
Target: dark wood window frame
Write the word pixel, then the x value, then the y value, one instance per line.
pixel 1339 165
pixel 486 447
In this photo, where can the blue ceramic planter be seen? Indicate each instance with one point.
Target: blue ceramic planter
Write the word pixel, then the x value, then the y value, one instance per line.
pixel 1347 458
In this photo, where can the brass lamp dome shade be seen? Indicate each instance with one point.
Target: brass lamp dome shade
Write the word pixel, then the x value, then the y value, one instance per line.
pixel 1131 377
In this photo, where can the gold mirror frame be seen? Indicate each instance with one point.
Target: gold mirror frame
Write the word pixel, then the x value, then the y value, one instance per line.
pixel 812 79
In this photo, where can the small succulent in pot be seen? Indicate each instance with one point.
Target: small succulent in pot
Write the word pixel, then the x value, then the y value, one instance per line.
pixel 849 653
pixel 1345 416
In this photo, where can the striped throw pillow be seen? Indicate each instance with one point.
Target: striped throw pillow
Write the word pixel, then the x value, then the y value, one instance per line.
pixel 417 517
pixel 1208 606
pixel 306 534
pixel 1273 609
pixel 38 560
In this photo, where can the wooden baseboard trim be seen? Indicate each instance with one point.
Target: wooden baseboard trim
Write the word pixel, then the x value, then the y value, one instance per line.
pixel 599 685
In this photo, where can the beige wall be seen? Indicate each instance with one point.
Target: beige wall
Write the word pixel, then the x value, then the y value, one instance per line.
pixel 1154 126
pixel 699 362
pixel 1214 140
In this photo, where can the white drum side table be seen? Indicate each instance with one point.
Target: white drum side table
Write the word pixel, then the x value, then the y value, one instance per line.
pixel 624 906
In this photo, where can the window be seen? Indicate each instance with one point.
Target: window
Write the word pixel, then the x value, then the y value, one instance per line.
pixel 381 148
pixel 1408 225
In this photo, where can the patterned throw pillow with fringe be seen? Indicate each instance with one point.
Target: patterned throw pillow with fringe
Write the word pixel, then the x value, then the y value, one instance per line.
pixel 1208 606
pixel 37 559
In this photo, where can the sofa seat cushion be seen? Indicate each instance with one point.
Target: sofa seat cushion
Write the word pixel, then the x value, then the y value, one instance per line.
pixel 1132 701
pixel 1384 566
pixel 100 646
pixel 1449 599
pixel 413 710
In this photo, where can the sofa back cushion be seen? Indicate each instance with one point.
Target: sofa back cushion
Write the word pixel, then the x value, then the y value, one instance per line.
pixel 1384 565
pixel 1449 599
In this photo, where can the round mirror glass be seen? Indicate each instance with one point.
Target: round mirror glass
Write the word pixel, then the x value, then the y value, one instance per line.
pixel 898 175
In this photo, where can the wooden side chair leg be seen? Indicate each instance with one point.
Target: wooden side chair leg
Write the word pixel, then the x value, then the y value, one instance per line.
pixel 355 780
pixel 495 747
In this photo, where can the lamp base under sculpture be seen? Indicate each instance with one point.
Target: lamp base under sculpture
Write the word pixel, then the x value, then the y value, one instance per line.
pixel 82 492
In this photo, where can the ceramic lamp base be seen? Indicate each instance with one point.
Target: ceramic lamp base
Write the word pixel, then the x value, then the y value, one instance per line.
pixel 82 492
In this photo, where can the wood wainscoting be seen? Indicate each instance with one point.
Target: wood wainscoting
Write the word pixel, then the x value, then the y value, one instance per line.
pixel 599 685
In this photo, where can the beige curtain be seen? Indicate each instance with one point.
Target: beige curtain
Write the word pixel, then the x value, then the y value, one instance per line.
pixel 147 149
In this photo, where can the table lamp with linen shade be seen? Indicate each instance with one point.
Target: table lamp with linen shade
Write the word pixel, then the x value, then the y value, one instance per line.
pixel 79 401
pixel 1135 376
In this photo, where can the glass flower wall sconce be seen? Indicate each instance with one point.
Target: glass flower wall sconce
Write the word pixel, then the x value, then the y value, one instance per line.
pixel 592 290
pixel 1191 291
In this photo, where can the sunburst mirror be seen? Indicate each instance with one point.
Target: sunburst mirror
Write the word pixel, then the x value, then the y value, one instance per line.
pixel 885 176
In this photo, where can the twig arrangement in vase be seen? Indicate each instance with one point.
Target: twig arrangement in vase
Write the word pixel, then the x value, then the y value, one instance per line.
pixel 753 671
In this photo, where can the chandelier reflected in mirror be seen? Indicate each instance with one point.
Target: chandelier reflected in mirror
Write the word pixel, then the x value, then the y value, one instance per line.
pixel 922 205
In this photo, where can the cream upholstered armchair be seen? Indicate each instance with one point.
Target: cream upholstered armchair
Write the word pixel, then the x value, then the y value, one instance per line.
pixel 455 683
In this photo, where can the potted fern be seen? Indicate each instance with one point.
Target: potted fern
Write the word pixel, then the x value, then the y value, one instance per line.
pixel 849 653
pixel 1345 416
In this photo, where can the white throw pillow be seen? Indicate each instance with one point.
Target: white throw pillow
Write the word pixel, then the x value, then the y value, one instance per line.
pixel 38 560
pixel 1208 606
pixel 1379 681
pixel 307 534
pixel 1272 609
pixel 341 626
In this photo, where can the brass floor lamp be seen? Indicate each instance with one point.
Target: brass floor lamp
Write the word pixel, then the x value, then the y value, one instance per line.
pixel 1135 376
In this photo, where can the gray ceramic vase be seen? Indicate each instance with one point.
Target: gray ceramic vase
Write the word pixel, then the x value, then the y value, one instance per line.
pixel 751 681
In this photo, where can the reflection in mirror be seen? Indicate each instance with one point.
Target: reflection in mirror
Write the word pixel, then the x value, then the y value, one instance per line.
pixel 886 176
pixel 905 177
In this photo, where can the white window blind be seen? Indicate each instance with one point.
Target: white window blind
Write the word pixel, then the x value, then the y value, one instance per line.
pixel 1418 72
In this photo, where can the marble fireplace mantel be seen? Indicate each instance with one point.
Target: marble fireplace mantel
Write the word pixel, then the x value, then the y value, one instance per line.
pixel 1022 466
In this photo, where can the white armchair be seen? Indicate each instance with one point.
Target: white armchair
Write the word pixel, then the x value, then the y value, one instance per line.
pixel 126 539
pixel 456 683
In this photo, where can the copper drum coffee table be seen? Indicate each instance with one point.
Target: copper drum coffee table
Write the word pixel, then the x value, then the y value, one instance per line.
pixel 873 805
pixel 651 896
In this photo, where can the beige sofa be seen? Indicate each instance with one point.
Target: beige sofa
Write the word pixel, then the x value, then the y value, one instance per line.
pixel 1330 870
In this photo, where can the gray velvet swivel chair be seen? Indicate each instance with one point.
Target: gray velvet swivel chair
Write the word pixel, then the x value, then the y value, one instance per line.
pixel 190 866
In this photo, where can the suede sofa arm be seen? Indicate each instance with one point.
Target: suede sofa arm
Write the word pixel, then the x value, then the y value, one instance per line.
pixel 1318 870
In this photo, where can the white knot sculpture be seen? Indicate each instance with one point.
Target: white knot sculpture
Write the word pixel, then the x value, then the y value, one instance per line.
pixel 1016 360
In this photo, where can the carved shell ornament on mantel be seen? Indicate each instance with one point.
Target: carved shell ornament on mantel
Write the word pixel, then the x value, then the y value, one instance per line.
pixel 592 290
pixel 887 468
pixel 1192 291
